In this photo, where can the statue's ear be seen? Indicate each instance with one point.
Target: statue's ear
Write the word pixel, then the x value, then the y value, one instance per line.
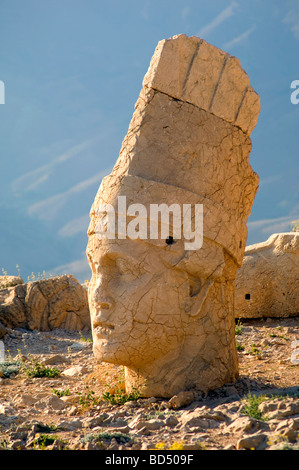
pixel 198 293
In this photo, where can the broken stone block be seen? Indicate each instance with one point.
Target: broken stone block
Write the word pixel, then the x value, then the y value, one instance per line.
pixel 253 442
pixel 267 282
pixel 182 399
pixel 193 71
pixel 58 302
pixel 162 303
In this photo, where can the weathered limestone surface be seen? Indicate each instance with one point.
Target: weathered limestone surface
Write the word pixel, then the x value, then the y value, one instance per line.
pixel 163 311
pixel 196 72
pixel 58 302
pixel 9 281
pixel 267 283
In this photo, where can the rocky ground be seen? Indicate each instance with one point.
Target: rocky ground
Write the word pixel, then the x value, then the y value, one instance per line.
pixel 54 396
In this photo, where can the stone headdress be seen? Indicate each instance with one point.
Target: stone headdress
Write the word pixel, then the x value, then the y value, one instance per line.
pixel 188 141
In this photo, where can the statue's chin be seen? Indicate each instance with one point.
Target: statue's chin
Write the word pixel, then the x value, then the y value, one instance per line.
pixel 102 351
pixel 105 351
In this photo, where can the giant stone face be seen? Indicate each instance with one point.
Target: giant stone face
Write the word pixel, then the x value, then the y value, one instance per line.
pixel 161 307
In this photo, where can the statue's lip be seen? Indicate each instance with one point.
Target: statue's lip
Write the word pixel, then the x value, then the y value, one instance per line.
pixel 100 325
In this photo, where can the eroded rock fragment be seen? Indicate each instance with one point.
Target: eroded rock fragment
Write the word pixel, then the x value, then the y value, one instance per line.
pixel 58 302
pixel 267 282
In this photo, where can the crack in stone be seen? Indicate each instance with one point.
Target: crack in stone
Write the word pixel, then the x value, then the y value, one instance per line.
pixel 218 81
pixel 190 67
pixel 241 103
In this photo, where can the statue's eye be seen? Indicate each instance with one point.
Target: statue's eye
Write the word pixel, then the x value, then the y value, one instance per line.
pixel 123 267
pixel 169 240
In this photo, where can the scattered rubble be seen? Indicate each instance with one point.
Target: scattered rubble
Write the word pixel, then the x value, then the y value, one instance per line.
pixel 84 406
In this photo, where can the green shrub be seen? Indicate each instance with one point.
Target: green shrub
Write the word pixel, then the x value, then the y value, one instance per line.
pixel 251 406
pixel 39 370
pixel 44 440
pixel 238 327
pixel 88 399
pixel 239 346
pixel 4 444
pixel 254 350
pixel 61 393
pixel 8 368
pixel 295 226
pixel 120 397
pixel 120 437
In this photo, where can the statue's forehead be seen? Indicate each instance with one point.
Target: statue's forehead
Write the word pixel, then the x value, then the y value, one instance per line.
pixel 136 253
pixel 130 249
pixel 201 263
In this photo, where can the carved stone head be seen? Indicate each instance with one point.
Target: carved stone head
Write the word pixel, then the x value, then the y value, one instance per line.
pixel 162 296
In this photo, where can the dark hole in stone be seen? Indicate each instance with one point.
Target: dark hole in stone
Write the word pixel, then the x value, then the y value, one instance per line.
pixel 247 296
pixel 169 240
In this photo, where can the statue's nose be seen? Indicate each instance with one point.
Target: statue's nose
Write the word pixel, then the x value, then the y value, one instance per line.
pixel 100 296
pixel 103 310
